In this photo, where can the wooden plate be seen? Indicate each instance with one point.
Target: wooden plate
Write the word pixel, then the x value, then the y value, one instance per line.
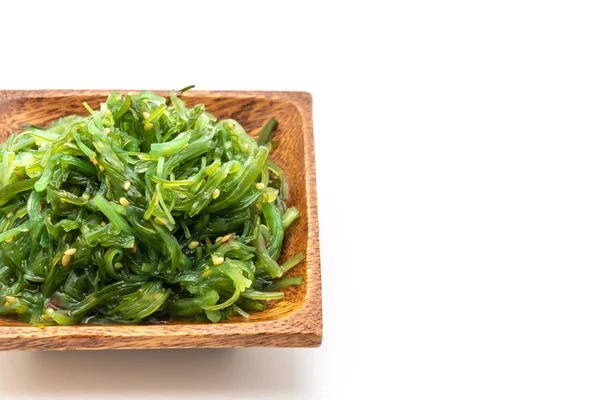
pixel 295 321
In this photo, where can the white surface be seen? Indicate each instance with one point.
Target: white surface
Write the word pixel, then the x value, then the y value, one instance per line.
pixel 458 165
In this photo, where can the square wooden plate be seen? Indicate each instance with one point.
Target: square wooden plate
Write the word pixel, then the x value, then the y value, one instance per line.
pixel 295 321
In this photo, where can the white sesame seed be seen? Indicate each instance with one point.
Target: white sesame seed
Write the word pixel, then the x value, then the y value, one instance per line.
pixel 193 245
pixel 9 300
pixel 246 146
pixel 126 185
pixel 70 252
pixel 107 130
pixel 47 314
pixel 146 114
pixel 65 260
pixel 9 215
pixel 271 195
pixel 260 186
pixel 217 260
pixel 148 126
pixel 124 202
pixel 85 196
pixel 103 223
pixel 216 193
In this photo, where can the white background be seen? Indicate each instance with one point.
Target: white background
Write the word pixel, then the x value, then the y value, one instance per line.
pixel 458 159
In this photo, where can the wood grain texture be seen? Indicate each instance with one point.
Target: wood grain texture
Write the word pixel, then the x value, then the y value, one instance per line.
pixel 295 321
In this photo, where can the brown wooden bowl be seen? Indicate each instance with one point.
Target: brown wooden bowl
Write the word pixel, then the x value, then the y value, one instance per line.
pixel 295 321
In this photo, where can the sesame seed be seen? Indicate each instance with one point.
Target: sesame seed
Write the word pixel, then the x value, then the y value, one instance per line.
pixel 226 238
pixel 271 196
pixel 217 260
pixel 148 126
pixel 216 193
pixel 146 114
pixel 70 252
pixel 193 245
pixel 85 196
pixel 160 221
pixel 103 223
pixel 9 300
pixel 118 265
pixel 107 130
pixel 47 314
pixel 218 239
pixel 246 146
pixel 9 215
pixel 65 260
pixel 124 202
pixel 260 186
pixel 126 185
